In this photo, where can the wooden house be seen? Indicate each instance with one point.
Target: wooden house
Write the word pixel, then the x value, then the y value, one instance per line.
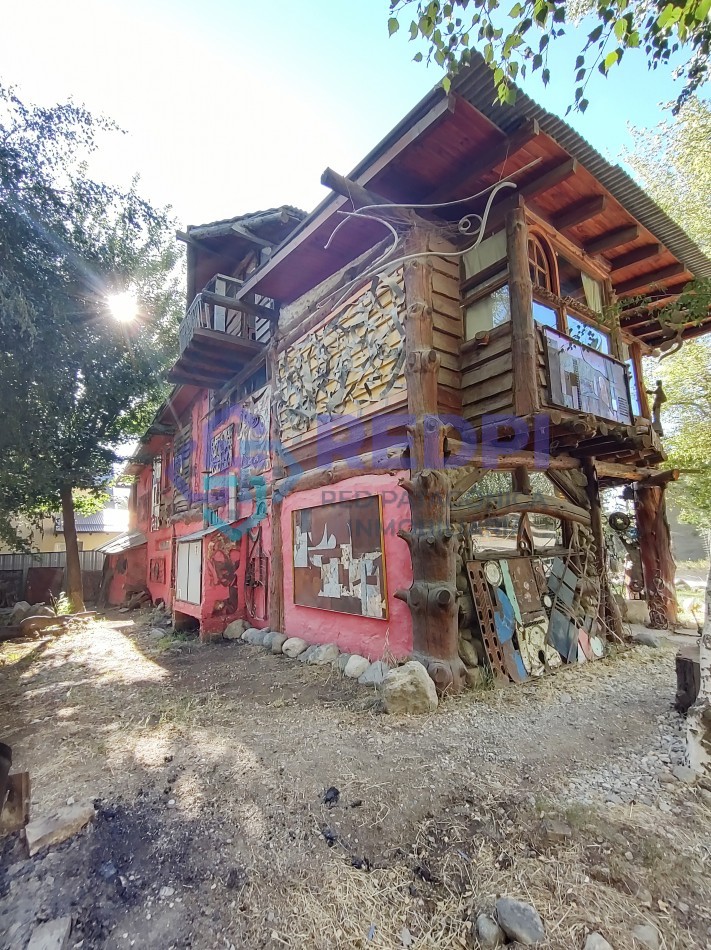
pixel 392 418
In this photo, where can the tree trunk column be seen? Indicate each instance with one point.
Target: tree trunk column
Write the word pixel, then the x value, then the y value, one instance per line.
pixel 611 609
pixel 74 587
pixel 433 542
pixel 655 552
pixel 523 328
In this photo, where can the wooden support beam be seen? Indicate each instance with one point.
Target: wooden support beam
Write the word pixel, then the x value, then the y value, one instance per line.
pixel 244 306
pixel 623 473
pixel 243 232
pixel 188 379
pixel 392 459
pixel 361 196
pixel 661 478
pixel 646 280
pixel 523 331
pixel 579 212
pixel 611 610
pixel 493 506
pixel 655 552
pixel 635 256
pixel 612 239
pixel 553 176
pixel 457 186
pixel 239 379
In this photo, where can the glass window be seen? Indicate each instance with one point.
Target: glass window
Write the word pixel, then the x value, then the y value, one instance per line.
pixel 545 315
pixel 489 312
pixel 589 335
pixel 539 265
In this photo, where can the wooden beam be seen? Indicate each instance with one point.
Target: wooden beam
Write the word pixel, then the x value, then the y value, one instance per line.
pixel 187 379
pixel 549 179
pixel 580 211
pixel 661 478
pixel 360 196
pixel 260 242
pixel 493 506
pixel 635 256
pixel 244 374
pixel 652 277
pixel 523 331
pixel 245 306
pixel 459 184
pixel 612 239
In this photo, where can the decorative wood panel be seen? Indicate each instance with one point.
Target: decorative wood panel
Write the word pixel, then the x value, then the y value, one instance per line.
pixel 349 364
pixel 487 376
pixel 447 319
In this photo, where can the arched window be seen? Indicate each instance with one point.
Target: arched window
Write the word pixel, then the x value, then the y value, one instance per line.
pixel 539 264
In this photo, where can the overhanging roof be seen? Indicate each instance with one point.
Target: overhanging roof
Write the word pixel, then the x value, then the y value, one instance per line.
pixel 124 542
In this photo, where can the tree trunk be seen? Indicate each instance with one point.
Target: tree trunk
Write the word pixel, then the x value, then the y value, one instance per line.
pixel 698 722
pixel 611 610
pixel 74 589
pixel 655 551
pixel 432 599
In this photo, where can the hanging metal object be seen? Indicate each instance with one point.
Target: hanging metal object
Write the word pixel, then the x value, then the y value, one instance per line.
pixel 256 575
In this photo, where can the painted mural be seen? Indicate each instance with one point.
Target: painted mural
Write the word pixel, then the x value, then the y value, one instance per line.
pixel 223 560
pixel 338 557
pixel 254 435
pixel 221 450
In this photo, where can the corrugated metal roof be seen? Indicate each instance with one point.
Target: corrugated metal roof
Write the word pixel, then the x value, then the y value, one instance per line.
pixel 476 85
pixel 124 542
pixel 110 519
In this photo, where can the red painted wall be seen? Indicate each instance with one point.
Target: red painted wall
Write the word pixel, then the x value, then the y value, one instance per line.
pixel 353 634
pixel 129 569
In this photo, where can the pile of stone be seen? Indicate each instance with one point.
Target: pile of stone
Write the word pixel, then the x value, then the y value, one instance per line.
pixel 405 689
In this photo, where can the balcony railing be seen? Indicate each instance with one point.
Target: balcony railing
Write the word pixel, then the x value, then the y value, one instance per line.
pixel 212 310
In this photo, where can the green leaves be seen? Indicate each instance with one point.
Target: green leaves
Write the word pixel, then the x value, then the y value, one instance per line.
pixel 393 25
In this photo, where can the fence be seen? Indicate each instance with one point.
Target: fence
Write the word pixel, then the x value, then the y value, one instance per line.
pixel 36 577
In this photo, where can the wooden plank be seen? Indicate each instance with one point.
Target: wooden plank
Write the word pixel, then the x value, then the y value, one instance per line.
pixel 493 367
pixel 446 343
pixel 553 176
pixel 612 239
pixel 446 285
pixel 457 185
pixel 448 377
pixel 502 404
pixel 486 388
pixel 579 212
pixel 652 277
pixel 635 256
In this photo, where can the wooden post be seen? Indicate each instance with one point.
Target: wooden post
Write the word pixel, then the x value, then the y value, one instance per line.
pixel 523 330
pixel 432 598
pixel 73 582
pixel 612 613
pixel 655 552
pixel 276 561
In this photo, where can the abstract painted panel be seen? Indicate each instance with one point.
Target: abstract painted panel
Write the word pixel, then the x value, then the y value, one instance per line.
pixel 339 562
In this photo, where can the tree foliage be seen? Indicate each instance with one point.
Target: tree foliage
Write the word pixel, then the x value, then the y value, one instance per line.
pixel 671 161
pixel 74 383
pixel 517 39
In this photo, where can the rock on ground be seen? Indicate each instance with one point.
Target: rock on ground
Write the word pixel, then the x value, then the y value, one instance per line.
pixel 53 935
pixel 647 935
pixel 323 655
pixel 468 654
pixel 20 611
pixel 234 630
pixel 343 661
pixel 489 933
pixel 596 941
pixel 556 831
pixel 294 646
pixel 56 828
pixel 409 690
pixel 646 638
pixel 375 674
pixel 520 921
pixel 255 636
pixel 356 666
pixel 308 653
pixel 278 641
pixel 41 610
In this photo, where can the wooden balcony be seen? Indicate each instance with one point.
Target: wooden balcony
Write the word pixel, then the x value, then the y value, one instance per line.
pixel 220 335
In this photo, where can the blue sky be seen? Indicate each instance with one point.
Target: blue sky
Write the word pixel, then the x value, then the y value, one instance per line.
pixel 230 106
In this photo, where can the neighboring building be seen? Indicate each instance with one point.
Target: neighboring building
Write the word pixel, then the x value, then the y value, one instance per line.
pixel 93 531
pixel 346 384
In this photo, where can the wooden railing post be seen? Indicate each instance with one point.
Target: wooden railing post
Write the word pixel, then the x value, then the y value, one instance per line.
pixel 523 330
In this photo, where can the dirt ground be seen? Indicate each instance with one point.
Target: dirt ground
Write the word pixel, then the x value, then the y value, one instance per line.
pixel 208 766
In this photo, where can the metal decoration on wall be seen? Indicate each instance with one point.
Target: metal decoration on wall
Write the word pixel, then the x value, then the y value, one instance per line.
pixel 493 574
pixel 339 560
pixel 256 574
pixel 505 621
pixel 156 570
pixel 532 646
pixel 355 359
pixel 525 586
pixel 221 450
pixel 254 435
pixel 485 615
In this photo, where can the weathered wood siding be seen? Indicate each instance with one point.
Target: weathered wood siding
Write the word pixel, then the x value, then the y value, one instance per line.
pixel 487 376
pixel 447 319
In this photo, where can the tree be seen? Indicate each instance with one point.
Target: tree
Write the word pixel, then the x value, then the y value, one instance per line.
pixel 517 41
pixel 74 382
pixel 671 162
